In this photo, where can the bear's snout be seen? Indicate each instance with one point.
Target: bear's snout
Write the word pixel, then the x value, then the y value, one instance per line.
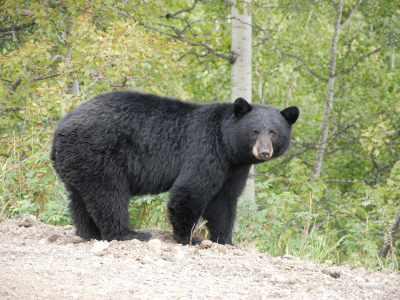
pixel 263 151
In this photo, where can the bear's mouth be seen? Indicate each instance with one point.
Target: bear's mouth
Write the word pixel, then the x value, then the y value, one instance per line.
pixel 263 158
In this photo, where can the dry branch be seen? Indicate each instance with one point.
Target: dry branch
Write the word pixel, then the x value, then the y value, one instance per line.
pixel 17 28
pixel 196 230
pixel 360 60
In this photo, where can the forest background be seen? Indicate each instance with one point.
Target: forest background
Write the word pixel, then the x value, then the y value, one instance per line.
pixel 334 197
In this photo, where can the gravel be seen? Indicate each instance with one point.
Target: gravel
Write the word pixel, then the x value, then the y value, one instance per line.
pixel 39 261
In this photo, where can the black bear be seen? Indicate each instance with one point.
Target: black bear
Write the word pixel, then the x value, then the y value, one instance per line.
pixel 127 143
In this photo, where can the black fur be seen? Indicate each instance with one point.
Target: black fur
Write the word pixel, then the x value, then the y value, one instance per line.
pixel 127 143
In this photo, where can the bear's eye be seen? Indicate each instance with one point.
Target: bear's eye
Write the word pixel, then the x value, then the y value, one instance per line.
pixel 274 134
pixel 254 132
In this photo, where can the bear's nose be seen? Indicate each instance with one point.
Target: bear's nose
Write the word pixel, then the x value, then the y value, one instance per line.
pixel 265 153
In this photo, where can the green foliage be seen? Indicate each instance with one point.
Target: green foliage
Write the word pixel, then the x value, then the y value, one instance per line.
pixel 267 230
pixel 288 223
pixel 361 248
pixel 30 186
pixel 259 226
pixel 149 211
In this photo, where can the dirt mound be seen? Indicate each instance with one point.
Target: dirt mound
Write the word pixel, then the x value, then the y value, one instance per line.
pixel 39 261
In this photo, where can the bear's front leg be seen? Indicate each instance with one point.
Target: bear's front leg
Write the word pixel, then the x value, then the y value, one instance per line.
pixel 220 212
pixel 189 197
pixel 184 213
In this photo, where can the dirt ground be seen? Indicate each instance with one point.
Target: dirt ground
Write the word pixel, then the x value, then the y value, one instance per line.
pixel 39 261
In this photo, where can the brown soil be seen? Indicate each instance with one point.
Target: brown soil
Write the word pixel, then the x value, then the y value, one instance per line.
pixel 47 262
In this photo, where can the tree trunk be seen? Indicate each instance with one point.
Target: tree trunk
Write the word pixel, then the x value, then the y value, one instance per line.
pixel 73 87
pixel 241 70
pixel 393 57
pixel 289 89
pixel 329 97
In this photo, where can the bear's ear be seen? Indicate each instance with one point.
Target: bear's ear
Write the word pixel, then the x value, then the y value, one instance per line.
pixel 241 107
pixel 291 114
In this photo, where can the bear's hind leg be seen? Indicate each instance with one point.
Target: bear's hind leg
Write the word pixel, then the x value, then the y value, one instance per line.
pixel 109 209
pixel 86 228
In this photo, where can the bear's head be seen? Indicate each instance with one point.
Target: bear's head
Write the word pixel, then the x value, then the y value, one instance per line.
pixel 262 132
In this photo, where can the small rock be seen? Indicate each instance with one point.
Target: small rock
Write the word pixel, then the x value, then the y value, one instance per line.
pixel 77 239
pixel 222 249
pixel 176 249
pixel 278 278
pixel 371 285
pixel 206 244
pixel 279 263
pixel 359 279
pixel 334 272
pixel 135 241
pixel 178 252
pixel 167 233
pixel 42 242
pixel 53 238
pixel 167 236
pixel 302 280
pixel 169 257
pixel 147 260
pixel 100 248
pixel 67 227
pixel 289 257
pixel 160 263
pixel 27 221
pixel 237 252
pixel 154 246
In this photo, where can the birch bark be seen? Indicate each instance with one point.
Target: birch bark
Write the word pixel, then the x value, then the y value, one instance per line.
pixel 241 69
pixel 73 87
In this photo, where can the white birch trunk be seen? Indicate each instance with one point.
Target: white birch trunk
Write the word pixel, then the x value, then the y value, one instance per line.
pixel 241 70
pixel 289 89
pixel 73 87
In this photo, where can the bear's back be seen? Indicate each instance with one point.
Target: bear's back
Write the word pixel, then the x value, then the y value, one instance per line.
pixel 130 103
